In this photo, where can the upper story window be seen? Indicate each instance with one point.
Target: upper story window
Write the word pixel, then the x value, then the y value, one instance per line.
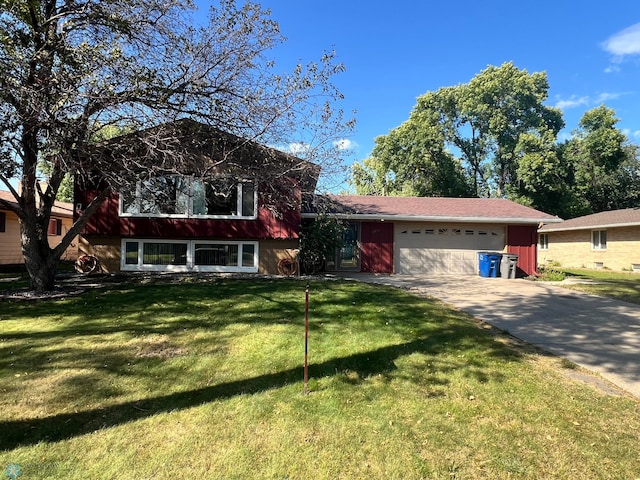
pixel 3 222
pixel 187 197
pixel 543 241
pixel 599 240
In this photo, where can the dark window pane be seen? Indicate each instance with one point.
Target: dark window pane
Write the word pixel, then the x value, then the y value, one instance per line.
pixel 248 204
pixel 216 254
pixel 222 199
pixel 131 253
pixel 3 222
pixel 248 255
pixel 164 254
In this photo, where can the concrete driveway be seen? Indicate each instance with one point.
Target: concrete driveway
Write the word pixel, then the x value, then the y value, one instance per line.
pixel 599 334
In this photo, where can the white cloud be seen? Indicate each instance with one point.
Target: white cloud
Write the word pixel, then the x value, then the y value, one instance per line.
pixel 612 69
pixel 636 133
pixel 345 144
pixel 605 96
pixel 624 42
pixel 298 148
pixel 572 102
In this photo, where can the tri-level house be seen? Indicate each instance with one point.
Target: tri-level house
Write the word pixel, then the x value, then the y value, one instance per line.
pixel 211 212
pixel 217 214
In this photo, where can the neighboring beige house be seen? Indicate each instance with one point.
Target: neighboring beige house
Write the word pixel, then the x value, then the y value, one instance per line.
pixel 10 249
pixel 601 240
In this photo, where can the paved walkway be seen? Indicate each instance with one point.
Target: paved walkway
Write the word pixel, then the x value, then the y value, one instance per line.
pixel 599 334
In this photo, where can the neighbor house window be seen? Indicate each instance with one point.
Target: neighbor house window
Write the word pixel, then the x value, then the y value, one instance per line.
pixel 543 241
pixel 3 222
pixel 599 240
pixel 180 196
pixel 55 227
pixel 192 255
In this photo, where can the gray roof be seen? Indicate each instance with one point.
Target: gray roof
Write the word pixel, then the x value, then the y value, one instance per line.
pixel 627 217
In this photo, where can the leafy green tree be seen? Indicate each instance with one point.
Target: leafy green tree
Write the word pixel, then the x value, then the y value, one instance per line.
pixel 544 177
pixel 411 161
pixel 73 69
pixel 506 103
pixel 598 154
pixel 596 170
pixel 481 122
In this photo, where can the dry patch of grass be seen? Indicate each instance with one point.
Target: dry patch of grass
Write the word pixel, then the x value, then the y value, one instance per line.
pixel 204 380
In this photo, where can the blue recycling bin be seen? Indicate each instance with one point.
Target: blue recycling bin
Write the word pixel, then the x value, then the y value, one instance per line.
pixel 488 264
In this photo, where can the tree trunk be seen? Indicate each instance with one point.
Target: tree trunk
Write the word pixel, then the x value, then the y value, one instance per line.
pixel 39 258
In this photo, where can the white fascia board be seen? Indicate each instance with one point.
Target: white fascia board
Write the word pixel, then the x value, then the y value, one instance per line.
pixel 434 218
pixel 559 228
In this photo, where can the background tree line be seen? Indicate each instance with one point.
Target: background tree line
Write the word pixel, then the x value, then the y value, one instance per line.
pixel 494 137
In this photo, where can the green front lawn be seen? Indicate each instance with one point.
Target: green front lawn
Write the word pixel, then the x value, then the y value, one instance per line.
pixel 606 283
pixel 204 380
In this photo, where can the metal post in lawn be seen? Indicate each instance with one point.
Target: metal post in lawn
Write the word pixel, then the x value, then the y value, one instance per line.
pixel 306 341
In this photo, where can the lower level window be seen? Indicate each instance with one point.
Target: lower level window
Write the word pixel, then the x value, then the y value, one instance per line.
pixel 189 256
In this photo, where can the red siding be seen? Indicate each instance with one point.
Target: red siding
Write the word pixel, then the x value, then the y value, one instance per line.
pixel 377 247
pixel 522 241
pixel 106 221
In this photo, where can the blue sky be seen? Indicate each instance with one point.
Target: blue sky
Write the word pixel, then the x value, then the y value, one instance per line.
pixel 395 51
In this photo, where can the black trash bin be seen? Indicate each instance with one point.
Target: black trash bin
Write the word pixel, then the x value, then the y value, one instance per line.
pixel 508 265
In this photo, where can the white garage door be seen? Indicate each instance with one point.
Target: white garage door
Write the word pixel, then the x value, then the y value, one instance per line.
pixel 445 248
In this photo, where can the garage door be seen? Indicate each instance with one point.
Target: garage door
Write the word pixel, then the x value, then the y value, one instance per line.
pixel 429 248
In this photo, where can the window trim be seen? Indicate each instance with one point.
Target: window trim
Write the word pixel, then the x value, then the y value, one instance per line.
pixel 189 213
pixel 190 266
pixel 599 246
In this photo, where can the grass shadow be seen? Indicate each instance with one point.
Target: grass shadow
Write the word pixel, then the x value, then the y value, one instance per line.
pixel 59 427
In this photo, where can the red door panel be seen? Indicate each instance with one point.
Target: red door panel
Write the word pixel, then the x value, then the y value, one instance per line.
pixel 522 240
pixel 376 239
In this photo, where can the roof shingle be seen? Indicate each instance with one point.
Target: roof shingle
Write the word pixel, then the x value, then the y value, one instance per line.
pixel 430 209
pixel 613 218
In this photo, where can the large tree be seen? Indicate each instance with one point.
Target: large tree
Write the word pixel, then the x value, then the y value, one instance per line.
pixel 73 68
pixel 595 170
pixel 604 166
pixel 480 123
pixel 411 161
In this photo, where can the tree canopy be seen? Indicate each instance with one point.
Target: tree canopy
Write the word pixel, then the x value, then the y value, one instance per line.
pixel 474 126
pixel 74 69
pixel 494 136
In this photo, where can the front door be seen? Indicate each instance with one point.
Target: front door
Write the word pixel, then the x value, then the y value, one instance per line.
pixel 347 257
pixel 349 254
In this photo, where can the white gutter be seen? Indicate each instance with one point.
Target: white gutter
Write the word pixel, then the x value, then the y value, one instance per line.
pixel 434 218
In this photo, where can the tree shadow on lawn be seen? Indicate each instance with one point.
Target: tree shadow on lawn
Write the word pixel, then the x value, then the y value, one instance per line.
pixel 60 427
